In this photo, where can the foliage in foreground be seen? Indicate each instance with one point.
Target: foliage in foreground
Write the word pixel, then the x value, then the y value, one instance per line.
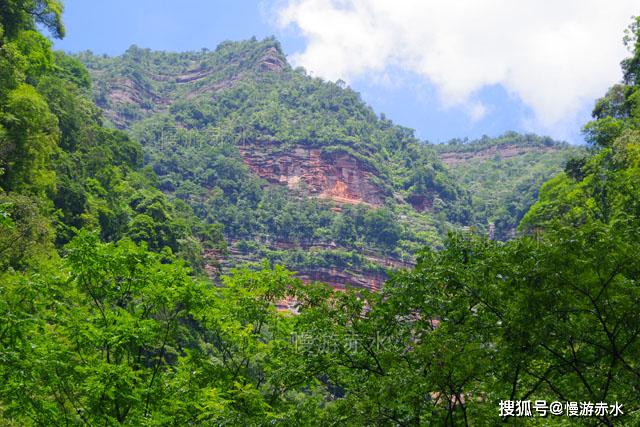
pixel 120 335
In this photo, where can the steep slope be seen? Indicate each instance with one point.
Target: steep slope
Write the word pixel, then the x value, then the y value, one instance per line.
pixel 504 175
pixel 297 170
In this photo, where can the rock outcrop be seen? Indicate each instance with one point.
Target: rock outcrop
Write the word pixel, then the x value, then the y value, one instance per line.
pixel 272 60
pixel 336 176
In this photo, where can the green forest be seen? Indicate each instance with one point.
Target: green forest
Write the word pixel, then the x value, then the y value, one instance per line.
pixel 198 114
pixel 153 224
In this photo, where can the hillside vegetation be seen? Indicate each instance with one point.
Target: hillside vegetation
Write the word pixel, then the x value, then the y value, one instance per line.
pixel 226 130
pixel 504 174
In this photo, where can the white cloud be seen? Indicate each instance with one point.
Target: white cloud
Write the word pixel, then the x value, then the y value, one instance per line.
pixel 477 111
pixel 555 56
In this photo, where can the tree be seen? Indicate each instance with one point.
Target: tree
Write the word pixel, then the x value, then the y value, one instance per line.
pixel 23 15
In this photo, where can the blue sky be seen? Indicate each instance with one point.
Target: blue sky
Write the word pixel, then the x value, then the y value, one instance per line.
pixel 445 71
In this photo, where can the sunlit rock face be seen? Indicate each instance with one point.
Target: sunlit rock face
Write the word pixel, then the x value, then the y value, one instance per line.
pixel 336 176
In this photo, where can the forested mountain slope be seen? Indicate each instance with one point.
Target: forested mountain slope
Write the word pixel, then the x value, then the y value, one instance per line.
pixel 504 175
pixel 61 170
pixel 296 169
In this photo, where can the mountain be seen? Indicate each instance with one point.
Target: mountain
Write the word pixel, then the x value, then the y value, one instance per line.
pixel 296 169
pixel 504 175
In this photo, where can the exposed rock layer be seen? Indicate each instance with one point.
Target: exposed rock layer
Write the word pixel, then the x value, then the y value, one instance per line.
pixel 337 176
pixel 455 158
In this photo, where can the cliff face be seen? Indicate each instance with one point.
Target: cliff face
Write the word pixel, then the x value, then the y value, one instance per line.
pixel 336 176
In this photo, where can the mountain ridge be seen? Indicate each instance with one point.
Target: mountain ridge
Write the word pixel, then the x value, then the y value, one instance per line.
pixel 229 130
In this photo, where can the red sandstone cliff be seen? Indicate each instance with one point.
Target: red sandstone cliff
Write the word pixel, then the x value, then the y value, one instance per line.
pixel 337 176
